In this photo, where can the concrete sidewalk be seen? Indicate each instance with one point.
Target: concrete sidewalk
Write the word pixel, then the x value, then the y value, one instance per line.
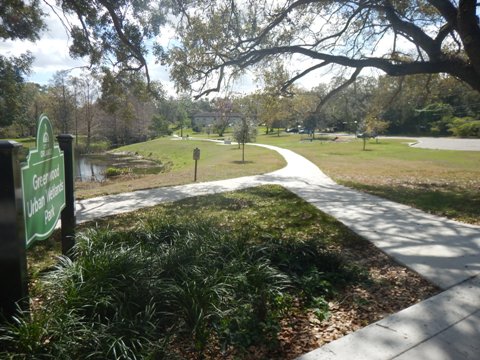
pixel 445 252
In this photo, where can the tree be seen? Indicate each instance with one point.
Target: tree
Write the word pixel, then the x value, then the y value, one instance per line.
pixel 21 20
pixel 223 108
pixel 174 111
pixel 275 106
pixel 465 126
pixel 249 105
pixel 181 117
pixel 63 101
pixel 398 37
pixel 435 118
pixel 375 126
pixel 128 105
pixel 33 102
pixel 160 125
pixel 273 112
pixel 12 72
pixel 303 106
pixel 87 90
pixel 244 131
pixel 18 20
pixel 115 31
pixel 396 101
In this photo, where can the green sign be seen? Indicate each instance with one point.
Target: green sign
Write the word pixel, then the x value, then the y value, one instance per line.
pixel 43 185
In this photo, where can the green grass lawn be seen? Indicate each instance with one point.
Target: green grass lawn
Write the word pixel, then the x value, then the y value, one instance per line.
pixel 258 273
pixel 439 181
pixel 217 162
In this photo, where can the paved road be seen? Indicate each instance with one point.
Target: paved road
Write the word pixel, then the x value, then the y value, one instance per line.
pixel 440 143
pixel 448 144
pixel 445 252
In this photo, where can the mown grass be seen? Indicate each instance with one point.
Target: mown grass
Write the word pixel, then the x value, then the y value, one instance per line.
pixel 217 162
pixel 442 182
pixel 206 277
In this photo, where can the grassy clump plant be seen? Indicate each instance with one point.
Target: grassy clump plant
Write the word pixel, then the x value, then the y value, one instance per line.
pixel 173 286
pixel 115 171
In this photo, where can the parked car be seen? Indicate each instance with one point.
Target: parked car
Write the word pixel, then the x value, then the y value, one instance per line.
pixel 366 135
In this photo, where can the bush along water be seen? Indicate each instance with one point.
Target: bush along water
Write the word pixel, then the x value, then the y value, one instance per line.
pixel 170 291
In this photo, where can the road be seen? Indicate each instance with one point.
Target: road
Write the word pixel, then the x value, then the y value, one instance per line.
pixel 447 144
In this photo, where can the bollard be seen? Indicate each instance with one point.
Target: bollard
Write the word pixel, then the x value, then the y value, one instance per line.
pixel 13 259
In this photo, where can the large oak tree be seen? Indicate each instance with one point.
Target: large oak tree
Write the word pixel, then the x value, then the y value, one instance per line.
pixel 399 37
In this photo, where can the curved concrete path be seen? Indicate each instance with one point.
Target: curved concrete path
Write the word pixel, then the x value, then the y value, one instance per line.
pixel 447 253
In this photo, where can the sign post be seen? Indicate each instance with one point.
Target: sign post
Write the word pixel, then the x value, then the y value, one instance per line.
pixel 196 157
pixel 68 213
pixel 13 259
pixel 43 185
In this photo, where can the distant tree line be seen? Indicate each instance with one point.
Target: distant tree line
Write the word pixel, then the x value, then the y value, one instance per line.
pixel 437 105
pixel 124 109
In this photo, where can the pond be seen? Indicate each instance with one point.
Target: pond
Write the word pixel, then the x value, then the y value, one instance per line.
pixel 92 167
pixel 88 168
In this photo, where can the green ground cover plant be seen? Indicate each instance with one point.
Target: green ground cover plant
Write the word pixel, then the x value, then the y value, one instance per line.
pixel 216 277
pixel 442 182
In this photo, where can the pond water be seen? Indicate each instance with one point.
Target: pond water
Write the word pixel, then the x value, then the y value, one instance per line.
pixel 92 167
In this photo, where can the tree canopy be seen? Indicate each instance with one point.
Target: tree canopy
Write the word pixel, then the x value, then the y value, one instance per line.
pixel 402 37
pixel 217 39
pixel 221 39
pixel 18 20
pixel 115 32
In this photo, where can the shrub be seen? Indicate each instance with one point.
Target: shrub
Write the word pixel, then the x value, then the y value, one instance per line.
pixel 465 127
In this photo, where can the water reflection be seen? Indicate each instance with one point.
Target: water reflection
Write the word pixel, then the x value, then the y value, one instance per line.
pixel 92 167
pixel 89 170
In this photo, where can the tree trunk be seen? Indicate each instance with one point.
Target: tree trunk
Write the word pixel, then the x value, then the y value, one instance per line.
pixel 469 31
